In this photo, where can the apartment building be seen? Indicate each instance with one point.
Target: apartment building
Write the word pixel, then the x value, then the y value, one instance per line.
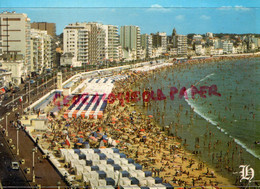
pixel 111 42
pixel 15 37
pixel 41 51
pixel 96 42
pixel 160 42
pixel 75 41
pixel 147 44
pixel 91 43
pixel 227 47
pixel 130 40
pixel 179 42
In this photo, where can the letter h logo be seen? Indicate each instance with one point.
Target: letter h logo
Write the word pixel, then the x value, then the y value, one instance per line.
pixel 246 173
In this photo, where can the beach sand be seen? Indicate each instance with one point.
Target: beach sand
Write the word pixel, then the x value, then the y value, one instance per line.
pixel 139 138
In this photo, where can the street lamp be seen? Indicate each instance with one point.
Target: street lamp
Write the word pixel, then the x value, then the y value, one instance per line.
pixel 58 184
pixel 13 103
pixel 33 175
pixel 37 87
pixel 17 152
pixel 6 123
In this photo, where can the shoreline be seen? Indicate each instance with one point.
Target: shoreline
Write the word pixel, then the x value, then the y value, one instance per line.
pixel 202 171
pixel 117 121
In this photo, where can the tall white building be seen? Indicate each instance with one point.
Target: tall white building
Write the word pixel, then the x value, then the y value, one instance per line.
pixel 147 44
pixel 163 37
pixel 15 37
pixel 227 47
pixel 130 40
pixel 75 41
pixel 41 51
pixel 179 42
pixel 111 42
pixel 91 42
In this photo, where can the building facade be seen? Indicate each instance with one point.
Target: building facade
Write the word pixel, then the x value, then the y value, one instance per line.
pixel 15 36
pixel 147 44
pixel 41 51
pixel 91 43
pixel 111 42
pixel 160 42
pixel 130 40
pixel 179 42
pixel 75 41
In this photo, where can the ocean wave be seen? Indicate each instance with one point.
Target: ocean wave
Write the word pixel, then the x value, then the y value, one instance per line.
pixel 208 76
pixel 247 149
pixel 195 108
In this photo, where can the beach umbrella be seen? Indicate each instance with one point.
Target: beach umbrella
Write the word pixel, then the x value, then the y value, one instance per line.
pixel 80 132
pixel 102 147
pixel 64 132
pixel 113 119
pixel 142 130
pixel 150 116
pixel 81 136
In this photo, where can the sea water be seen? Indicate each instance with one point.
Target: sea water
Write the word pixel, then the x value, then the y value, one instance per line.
pixel 221 130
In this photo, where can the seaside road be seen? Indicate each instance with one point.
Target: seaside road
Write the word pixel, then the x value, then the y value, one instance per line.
pixel 45 173
pixel 9 177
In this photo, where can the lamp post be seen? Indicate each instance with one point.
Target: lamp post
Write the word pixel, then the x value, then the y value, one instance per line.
pixel 6 123
pixel 13 102
pixel 17 152
pixel 37 87
pixel 33 175
pixel 58 184
pixel 45 82
pixel 29 93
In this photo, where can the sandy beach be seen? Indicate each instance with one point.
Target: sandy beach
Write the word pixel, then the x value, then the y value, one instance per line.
pixel 135 134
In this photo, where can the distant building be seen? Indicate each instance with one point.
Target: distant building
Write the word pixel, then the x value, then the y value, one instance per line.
pixel 111 42
pixel 160 42
pixel 209 35
pixel 147 44
pixel 179 42
pixel 91 43
pixel 15 36
pixel 75 41
pixel 17 68
pixel 197 37
pixel 5 78
pixel 227 47
pixel 49 27
pixel 68 59
pixel 130 40
pixel 199 50
pixel 41 51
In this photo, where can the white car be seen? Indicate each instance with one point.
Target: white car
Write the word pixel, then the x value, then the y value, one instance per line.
pixel 15 165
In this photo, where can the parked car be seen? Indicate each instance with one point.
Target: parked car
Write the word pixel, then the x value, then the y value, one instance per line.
pixel 15 165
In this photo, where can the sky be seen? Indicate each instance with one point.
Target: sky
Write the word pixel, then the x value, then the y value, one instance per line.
pixel 187 16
